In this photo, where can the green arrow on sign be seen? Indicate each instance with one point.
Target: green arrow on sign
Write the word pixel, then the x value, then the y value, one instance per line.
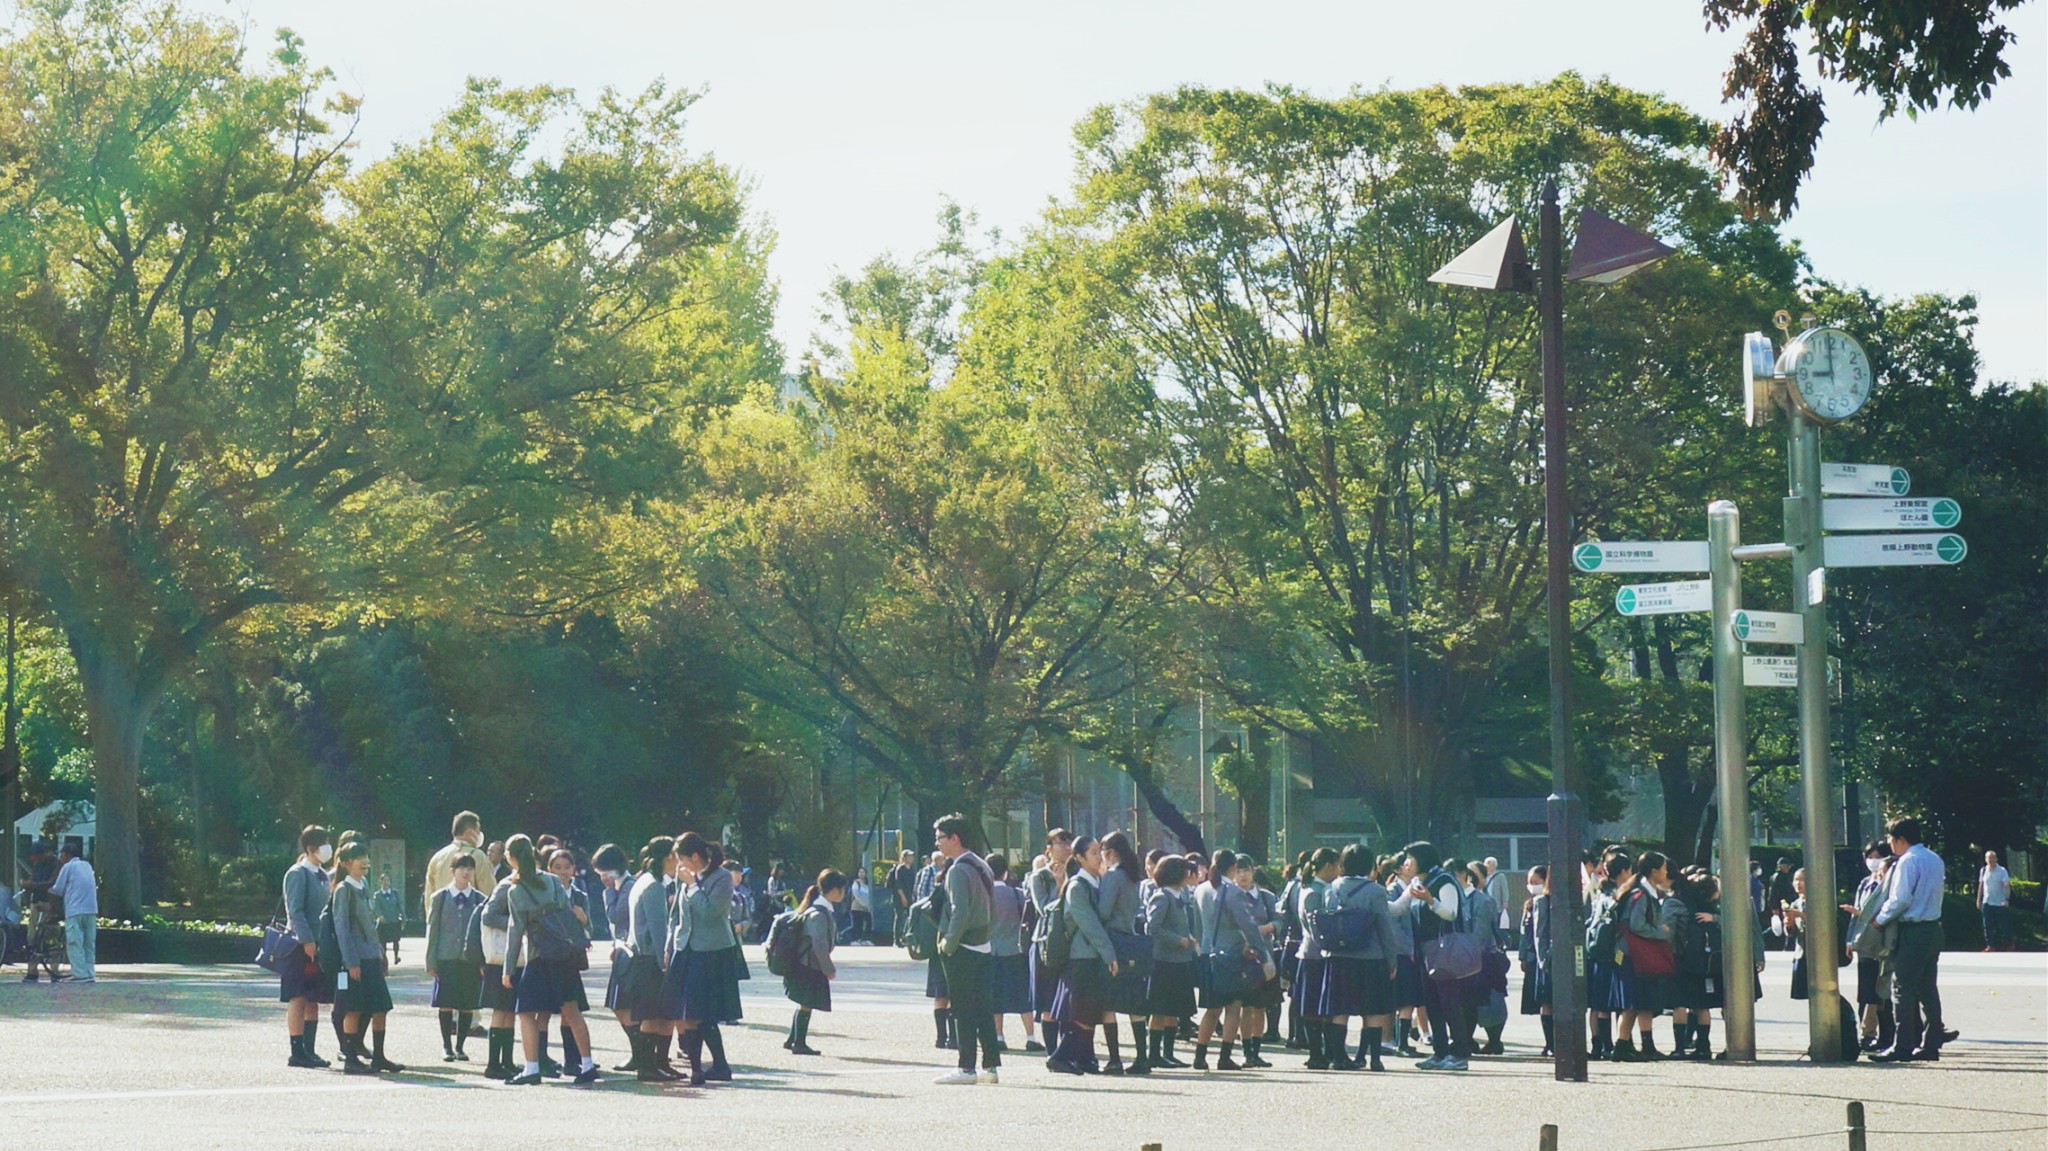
pixel 1587 557
pixel 1951 549
pixel 1625 600
pixel 1945 513
pixel 1901 482
pixel 1742 625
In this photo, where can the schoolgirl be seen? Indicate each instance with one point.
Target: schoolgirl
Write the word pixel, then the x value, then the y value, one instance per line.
pixel 332 979
pixel 614 911
pixel 1436 893
pixel 809 983
pixel 1614 869
pixel 1257 1006
pixel 1043 888
pixel 537 942
pixel 360 990
pixel 488 926
pixel 1170 985
pixel 1411 1016
pixel 1487 1003
pixel 1289 951
pixel 1122 913
pixel 1083 998
pixel 1009 973
pixel 1535 954
pixel 1357 978
pixel 1873 984
pixel 1228 931
pixel 946 1029
pixel 458 985
pixel 301 985
pixel 1311 882
pixel 1687 991
pixel 637 992
pixel 702 988
pixel 1638 995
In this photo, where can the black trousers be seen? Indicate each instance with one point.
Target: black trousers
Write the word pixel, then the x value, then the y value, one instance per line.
pixel 974 1018
pixel 1916 963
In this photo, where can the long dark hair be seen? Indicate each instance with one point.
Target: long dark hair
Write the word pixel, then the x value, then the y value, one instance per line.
pixel 1648 862
pixel 525 871
pixel 1127 860
pixel 1221 865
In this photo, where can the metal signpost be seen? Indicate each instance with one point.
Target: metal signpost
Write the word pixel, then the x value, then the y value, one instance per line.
pixel 1731 775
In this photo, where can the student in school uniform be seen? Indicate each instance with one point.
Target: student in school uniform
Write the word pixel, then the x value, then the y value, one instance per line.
pixel 639 1002
pixel 1535 954
pixel 1613 869
pixel 1082 1001
pixel 361 992
pixel 1357 979
pixel 488 927
pixel 1310 886
pixel 613 890
pixel 1191 898
pixel 1123 914
pixel 389 908
pixel 1288 952
pixel 1229 930
pixel 1170 985
pixel 1256 1008
pixel 458 986
pixel 335 875
pixel 1411 1017
pixel 1043 887
pixel 301 984
pixel 808 983
pixel 1009 973
pixel 1686 912
pixel 1638 997
pixel 548 984
pixel 935 986
pixel 702 988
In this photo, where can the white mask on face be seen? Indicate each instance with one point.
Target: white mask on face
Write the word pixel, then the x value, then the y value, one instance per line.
pixel 325 854
pixel 1875 865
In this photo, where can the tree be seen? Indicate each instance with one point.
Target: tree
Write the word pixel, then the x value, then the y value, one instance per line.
pixel 229 394
pixel 1914 54
pixel 1359 447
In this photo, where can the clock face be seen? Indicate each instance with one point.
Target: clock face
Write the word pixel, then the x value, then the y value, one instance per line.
pixel 1830 374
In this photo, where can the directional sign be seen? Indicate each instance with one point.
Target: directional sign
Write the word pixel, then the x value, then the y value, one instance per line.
pixel 1864 480
pixel 1770 671
pixel 1769 627
pixel 1881 515
pixel 1642 556
pixel 1665 598
pixel 1894 551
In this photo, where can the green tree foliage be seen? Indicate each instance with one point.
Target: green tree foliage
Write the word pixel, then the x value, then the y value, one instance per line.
pixel 1914 55
pixel 1360 445
pixel 240 377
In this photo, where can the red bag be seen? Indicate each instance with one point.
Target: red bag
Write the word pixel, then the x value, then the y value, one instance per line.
pixel 1653 957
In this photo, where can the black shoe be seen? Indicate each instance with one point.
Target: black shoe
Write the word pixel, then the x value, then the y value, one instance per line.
pixel 524 1079
pixel 588 1077
pixel 1059 1066
pixel 718 1074
pixel 354 1066
pixel 1226 1063
pixel 803 1049
pixel 498 1072
pixel 1141 1067
pixel 1895 1055
pixel 461 1056
pixel 447 1056
pixel 1493 1047
pixel 1113 1067
pixel 386 1066
pixel 550 1069
pixel 1033 1046
pixel 301 1059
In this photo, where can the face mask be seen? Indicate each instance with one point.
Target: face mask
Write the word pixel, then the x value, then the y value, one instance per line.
pixel 609 876
pixel 325 854
pixel 1875 865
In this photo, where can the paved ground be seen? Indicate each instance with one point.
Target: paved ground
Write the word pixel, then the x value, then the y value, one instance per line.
pixel 193 1057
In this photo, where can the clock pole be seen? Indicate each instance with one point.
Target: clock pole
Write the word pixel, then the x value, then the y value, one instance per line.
pixel 1809 579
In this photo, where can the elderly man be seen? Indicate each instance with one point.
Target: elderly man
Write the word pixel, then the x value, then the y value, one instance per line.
pixel 1497 887
pixel 79 894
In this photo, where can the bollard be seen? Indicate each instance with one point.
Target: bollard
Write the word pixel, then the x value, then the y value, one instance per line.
pixel 1546 1140
pixel 1151 1147
pixel 1856 1141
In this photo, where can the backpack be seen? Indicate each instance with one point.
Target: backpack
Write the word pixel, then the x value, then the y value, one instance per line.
pixel 1603 935
pixel 785 942
pixel 922 937
pixel 327 945
pixel 1698 946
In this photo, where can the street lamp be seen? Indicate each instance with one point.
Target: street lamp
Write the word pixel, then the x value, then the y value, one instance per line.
pixel 1606 251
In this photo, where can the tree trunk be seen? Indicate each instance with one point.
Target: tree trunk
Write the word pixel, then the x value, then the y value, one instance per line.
pixel 1169 814
pixel 117 715
pixel 1685 802
pixel 1255 805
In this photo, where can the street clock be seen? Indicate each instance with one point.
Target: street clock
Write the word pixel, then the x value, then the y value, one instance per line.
pixel 1827 373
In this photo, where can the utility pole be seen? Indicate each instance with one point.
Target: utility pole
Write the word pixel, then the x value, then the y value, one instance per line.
pixel 1809 580
pixel 1731 770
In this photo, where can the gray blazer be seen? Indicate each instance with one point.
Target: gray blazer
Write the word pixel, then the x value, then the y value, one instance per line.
pixel 1228 919
pixel 1006 927
pixel 1083 903
pixel 525 904
pixel 1044 891
pixel 647 915
pixel 1359 891
pixel 820 936
pixel 703 918
pixel 305 893
pixel 1167 922
pixel 1121 908
pixel 968 913
pixel 448 915
pixel 355 925
pixel 1308 899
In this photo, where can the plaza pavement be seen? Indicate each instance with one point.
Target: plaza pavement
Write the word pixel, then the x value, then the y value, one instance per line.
pixel 193 1057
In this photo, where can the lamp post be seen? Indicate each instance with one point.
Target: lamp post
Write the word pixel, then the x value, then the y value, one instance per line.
pixel 1606 251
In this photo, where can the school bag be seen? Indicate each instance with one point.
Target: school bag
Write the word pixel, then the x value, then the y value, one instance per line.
pixel 1603 938
pixel 922 938
pixel 785 941
pixel 1058 942
pixel 1698 946
pixel 327 945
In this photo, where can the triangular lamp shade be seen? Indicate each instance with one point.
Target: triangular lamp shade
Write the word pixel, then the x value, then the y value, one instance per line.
pixel 1608 250
pixel 1497 261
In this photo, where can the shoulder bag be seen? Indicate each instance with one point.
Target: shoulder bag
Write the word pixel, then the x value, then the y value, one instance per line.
pixel 1453 955
pixel 1646 956
pixel 278 946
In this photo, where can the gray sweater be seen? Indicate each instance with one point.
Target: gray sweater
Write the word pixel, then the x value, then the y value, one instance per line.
pixel 647 915
pixel 703 918
pixel 355 925
pixel 820 936
pixel 1120 906
pixel 1360 892
pixel 1168 923
pixel 1043 889
pixel 305 893
pixel 448 915
pixel 1006 925
pixel 526 904
pixel 1083 903
pixel 968 914
pixel 1227 916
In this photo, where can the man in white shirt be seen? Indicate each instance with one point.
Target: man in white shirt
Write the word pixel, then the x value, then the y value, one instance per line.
pixel 75 885
pixel 1994 904
pixel 1497 887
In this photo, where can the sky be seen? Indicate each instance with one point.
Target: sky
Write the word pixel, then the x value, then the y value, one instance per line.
pixel 855 121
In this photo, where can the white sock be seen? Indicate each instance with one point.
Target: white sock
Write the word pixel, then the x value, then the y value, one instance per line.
pixel 533 1067
pixel 589 1064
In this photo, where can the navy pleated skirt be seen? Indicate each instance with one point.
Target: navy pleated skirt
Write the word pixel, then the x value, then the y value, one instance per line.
pixel 547 986
pixel 637 987
pixel 807 987
pixel 1084 992
pixel 703 987
pixel 1009 978
pixel 368 994
pixel 457 986
pixel 1353 987
pixel 935 980
pixel 493 995
pixel 1170 990
pixel 1044 984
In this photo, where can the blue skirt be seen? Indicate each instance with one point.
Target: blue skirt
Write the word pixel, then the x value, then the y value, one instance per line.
pixel 636 987
pixel 493 995
pixel 1535 989
pixel 807 987
pixel 1599 985
pixel 545 987
pixel 1352 987
pixel 935 980
pixel 301 978
pixel 1009 978
pixel 1083 995
pixel 1044 985
pixel 1170 990
pixel 1307 983
pixel 457 986
pixel 368 995
pixel 703 987
pixel 1408 989
pixel 1629 991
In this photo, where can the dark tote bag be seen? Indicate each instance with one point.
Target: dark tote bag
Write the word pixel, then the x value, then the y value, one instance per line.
pixel 1452 957
pixel 278 946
